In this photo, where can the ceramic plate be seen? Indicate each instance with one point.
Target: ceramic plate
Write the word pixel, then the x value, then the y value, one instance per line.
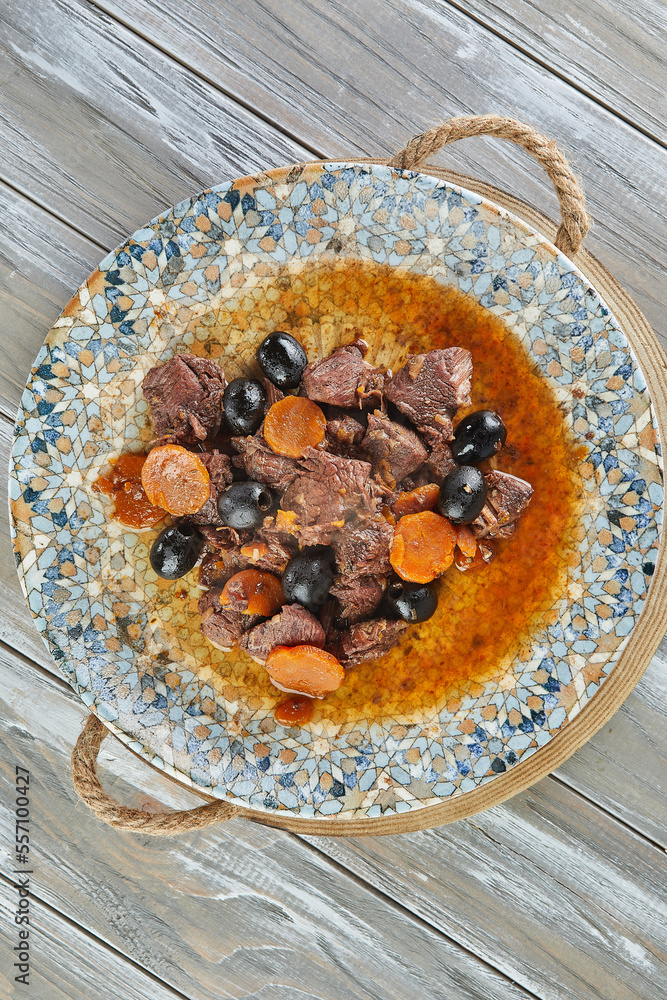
pixel 131 649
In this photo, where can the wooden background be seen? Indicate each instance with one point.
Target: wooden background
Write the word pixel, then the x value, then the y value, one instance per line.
pixel 109 112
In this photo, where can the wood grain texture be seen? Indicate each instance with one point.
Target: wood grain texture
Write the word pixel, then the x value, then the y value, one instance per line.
pixel 66 962
pixel 611 769
pixel 42 263
pixel 106 131
pixel 234 910
pixel 572 908
pixel 612 50
pixel 362 78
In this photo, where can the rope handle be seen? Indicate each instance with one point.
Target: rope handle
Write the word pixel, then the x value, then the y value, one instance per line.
pixel 575 221
pixel 87 784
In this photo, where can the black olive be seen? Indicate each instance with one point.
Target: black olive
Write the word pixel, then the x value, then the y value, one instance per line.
pixel 244 402
pixel 413 602
pixel 175 550
pixel 478 436
pixel 308 578
pixel 245 505
pixel 282 359
pixel 462 494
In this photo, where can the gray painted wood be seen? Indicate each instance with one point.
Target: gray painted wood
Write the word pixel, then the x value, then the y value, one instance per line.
pixel 365 76
pixel 106 131
pixel 233 910
pixel 611 768
pixel 67 963
pixel 572 907
pixel 42 263
pixel 612 50
pixel 535 886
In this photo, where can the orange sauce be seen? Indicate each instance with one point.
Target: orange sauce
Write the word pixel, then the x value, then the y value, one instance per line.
pixel 123 484
pixel 294 711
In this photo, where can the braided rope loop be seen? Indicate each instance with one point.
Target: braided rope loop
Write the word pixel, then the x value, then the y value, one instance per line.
pixel 89 789
pixel 575 220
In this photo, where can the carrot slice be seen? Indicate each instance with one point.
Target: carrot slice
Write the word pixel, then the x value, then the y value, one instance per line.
pixel 423 546
pixel 304 670
pixel 293 424
pixel 423 498
pixel 466 541
pixel 123 485
pixel 175 479
pixel 253 593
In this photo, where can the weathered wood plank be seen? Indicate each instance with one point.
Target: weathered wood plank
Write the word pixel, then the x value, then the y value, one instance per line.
pixel 610 49
pixel 571 906
pixel 623 774
pixel 68 964
pixel 363 77
pixel 233 910
pixel 106 131
pixel 42 263
pixel 624 767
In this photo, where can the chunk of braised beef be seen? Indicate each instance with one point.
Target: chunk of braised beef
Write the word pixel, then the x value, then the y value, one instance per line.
pixel 344 434
pixel 224 627
pixel 217 567
pixel 369 640
pixel 431 387
pixel 330 489
pixel 208 514
pixel 310 535
pixel 419 478
pixel 394 451
pixel 185 397
pixel 270 551
pixel 224 557
pixel 362 548
pixel 344 379
pixel 261 463
pixel 219 468
pixel 211 599
pixel 223 537
pixel 507 497
pixel 273 394
pixel 327 613
pixel 292 626
pixel 358 596
pixel 440 461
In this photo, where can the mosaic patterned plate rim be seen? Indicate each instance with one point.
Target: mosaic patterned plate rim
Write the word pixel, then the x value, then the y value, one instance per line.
pixel 333 791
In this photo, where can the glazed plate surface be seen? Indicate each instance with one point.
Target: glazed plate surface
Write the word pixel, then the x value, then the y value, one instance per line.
pixel 204 277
